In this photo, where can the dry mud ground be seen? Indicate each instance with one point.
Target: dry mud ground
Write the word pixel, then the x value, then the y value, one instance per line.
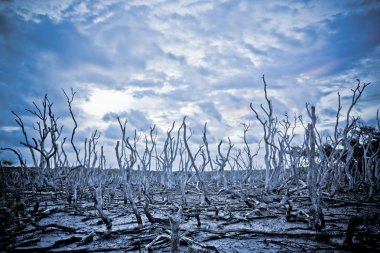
pixel 227 225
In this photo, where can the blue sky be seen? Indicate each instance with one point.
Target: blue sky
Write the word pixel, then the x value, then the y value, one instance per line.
pixel 156 61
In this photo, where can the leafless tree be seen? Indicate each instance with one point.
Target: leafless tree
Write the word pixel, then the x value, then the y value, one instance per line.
pixel 169 154
pixel 70 100
pixel 193 164
pixel 126 164
pixel 249 156
pixel 22 126
pixel 47 128
pixel 313 175
pixel 269 124
pixel 222 161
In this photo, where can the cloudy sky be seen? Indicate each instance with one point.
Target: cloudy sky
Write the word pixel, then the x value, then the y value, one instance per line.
pixel 156 61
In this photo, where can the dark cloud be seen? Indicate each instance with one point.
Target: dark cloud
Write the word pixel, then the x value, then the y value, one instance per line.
pixel 236 82
pixel 6 25
pixel 178 58
pixel 35 57
pixel 111 116
pixel 330 112
pixel 145 93
pixel 362 5
pixel 353 36
pixel 144 83
pixel 210 109
pixel 182 94
pixel 10 138
pixel 283 9
pixel 100 79
pixel 251 138
pixel 69 46
pixel 134 117
pixel 113 131
pixel 254 50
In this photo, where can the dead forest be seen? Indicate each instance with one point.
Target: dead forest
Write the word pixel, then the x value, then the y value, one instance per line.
pixel 175 196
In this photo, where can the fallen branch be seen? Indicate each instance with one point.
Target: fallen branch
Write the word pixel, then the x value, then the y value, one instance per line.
pixel 87 239
pixel 157 240
pixel 152 219
pixel 203 246
pixel 56 244
pixel 42 228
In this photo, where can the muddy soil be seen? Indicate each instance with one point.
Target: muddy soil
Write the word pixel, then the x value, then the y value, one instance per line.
pixel 276 222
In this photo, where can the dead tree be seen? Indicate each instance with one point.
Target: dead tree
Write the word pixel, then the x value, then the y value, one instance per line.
pixel 285 135
pixel 367 157
pixel 221 161
pixel 26 138
pixel 237 170
pixel 19 155
pixel 294 154
pixel 125 165
pixel 145 162
pixel 249 156
pixel 269 124
pixel 70 100
pixel 314 187
pixel 98 202
pixel 185 170
pixel 169 154
pixel 193 164
pixel 349 124
pixel 342 139
pixel 47 128
pixel 205 141
pixel 62 163
pixel 90 150
pixel 175 222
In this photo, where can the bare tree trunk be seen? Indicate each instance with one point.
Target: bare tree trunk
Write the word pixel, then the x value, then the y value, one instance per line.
pixel 99 207
pixel 315 191
pixel 135 210
pixel 126 168
pixel 69 102
pixel 269 126
pixel 21 124
pixel 175 222
pixel 192 160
